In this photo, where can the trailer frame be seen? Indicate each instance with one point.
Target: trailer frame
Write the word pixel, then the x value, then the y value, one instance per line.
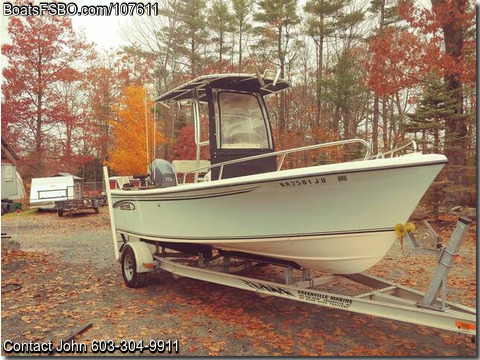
pixel 385 299
pixel 76 205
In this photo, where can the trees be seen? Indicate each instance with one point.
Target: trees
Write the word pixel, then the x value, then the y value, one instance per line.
pixel 278 17
pixel 453 28
pixel 105 82
pixel 220 22
pixel 192 33
pixel 448 49
pixel 134 132
pixel 71 111
pixel 43 52
pixel 391 71
pixel 345 93
pixel 322 21
pixel 435 108
pixel 242 10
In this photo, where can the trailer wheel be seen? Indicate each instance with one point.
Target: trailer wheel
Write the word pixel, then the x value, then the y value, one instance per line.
pixel 132 278
pixel 60 213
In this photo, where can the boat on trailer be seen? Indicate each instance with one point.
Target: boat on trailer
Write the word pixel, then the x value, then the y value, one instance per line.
pixel 337 218
pixel 243 209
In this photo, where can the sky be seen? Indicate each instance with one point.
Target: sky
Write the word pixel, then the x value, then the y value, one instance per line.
pixel 103 30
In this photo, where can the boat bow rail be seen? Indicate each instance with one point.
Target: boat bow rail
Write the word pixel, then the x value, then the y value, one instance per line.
pixel 282 153
pixel 382 155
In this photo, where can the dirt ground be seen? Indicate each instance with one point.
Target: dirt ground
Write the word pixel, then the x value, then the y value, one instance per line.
pixel 70 279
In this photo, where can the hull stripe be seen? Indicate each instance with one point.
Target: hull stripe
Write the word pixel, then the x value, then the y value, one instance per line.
pixel 193 197
pixel 250 238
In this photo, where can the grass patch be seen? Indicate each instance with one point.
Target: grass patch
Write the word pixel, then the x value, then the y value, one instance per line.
pixel 23 213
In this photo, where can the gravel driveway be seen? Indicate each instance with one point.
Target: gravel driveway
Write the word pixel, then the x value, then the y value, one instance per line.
pixel 70 279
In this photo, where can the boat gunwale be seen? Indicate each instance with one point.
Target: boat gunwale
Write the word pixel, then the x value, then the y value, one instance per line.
pixel 283 175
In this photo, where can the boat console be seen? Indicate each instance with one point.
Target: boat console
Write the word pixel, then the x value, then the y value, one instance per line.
pixel 239 126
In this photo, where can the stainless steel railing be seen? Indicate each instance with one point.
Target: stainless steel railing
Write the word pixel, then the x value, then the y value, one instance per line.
pixel 397 149
pixel 282 153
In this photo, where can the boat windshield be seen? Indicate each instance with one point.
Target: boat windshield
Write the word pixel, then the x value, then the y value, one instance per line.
pixel 242 124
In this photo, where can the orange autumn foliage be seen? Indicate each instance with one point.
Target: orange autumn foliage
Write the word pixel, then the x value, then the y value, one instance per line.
pixel 129 155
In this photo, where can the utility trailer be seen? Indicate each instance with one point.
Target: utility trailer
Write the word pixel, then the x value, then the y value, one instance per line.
pixel 383 298
pixel 76 205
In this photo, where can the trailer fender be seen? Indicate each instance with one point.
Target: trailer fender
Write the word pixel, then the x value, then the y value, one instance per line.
pixel 143 256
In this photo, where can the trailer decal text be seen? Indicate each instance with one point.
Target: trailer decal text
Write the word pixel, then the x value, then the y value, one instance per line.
pixel 336 301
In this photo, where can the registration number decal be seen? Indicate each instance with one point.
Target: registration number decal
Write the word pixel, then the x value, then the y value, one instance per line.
pixel 292 183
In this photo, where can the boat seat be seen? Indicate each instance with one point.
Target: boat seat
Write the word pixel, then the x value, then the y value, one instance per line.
pixel 183 166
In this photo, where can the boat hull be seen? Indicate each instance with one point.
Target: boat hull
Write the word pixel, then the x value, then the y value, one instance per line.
pixel 334 218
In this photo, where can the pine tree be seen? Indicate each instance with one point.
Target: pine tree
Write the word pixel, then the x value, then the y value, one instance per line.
pixel 192 34
pixel 436 107
pixel 322 21
pixel 220 22
pixel 242 10
pixel 278 19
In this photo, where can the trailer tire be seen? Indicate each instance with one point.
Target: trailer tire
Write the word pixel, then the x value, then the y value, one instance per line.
pixel 131 277
pixel 60 213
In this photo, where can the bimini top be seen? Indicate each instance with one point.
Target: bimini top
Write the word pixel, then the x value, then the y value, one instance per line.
pixel 241 82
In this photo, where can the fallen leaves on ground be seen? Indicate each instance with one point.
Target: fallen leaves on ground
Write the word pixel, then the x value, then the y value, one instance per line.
pixel 61 294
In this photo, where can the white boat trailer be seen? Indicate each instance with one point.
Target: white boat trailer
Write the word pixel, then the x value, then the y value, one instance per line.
pixel 384 298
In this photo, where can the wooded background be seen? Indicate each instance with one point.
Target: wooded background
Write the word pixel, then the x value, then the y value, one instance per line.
pixel 385 71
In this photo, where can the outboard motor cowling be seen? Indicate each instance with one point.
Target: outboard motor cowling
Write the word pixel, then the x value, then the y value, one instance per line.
pixel 162 174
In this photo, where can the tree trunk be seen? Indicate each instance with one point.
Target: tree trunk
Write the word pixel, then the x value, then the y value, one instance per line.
pixel 456 129
pixel 68 148
pixel 318 114
pixel 424 142
pixel 375 125
pixel 38 136
pixel 376 99
pixel 221 50
pixel 192 58
pixel 240 36
pixel 281 57
pixel 385 124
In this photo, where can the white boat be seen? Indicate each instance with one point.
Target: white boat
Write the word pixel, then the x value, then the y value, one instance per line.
pixel 337 218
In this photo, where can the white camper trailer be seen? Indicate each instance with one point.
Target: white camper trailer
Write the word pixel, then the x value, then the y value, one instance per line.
pixel 45 191
pixel 11 184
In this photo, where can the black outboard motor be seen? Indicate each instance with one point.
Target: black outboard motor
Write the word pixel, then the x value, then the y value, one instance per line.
pixel 162 174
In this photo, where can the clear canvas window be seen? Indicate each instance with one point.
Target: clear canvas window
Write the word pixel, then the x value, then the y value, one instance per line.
pixel 242 124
